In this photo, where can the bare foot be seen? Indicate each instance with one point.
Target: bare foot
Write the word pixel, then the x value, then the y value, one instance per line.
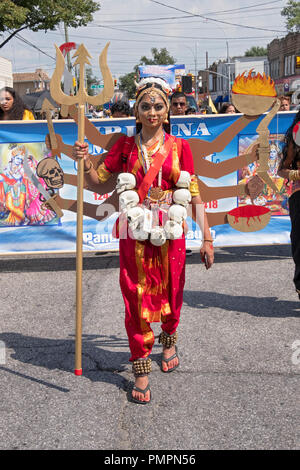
pixel 168 352
pixel 141 382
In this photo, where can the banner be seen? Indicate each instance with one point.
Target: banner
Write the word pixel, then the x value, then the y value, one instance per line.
pixel 170 73
pixel 26 225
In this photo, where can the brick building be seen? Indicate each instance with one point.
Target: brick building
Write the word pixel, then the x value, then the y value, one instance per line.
pixel 282 55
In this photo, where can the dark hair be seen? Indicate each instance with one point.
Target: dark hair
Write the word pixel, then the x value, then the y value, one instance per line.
pixel 225 106
pixel 284 98
pixel 177 94
pixel 120 107
pixel 18 107
pixel 287 139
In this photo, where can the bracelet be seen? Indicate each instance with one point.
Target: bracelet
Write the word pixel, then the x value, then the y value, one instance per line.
pixel 294 175
pixel 89 169
pixel 207 240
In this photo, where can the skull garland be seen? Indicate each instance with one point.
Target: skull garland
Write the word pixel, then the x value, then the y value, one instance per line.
pixel 51 172
pixel 125 181
pixel 177 213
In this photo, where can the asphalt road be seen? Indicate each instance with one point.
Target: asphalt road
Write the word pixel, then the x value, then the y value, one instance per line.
pixel 239 343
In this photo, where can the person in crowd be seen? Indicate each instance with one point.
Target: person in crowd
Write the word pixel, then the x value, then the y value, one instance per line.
pixel 120 109
pixel 12 107
pixel 152 267
pixel 289 168
pixel 190 110
pixel 228 108
pixel 285 103
pixel 178 104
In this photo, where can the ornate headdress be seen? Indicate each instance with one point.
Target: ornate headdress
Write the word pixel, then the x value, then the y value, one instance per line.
pixel 152 86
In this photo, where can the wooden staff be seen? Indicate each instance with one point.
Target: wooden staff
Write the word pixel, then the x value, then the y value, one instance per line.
pixel 81 98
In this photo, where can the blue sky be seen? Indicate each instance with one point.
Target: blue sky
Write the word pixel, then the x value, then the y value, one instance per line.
pixel 133 27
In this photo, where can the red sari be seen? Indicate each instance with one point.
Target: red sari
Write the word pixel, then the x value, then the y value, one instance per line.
pixel 151 278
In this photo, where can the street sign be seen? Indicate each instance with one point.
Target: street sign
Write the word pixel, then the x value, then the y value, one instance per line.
pixel 96 86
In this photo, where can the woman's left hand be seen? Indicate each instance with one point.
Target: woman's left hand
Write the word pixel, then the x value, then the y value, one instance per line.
pixel 207 254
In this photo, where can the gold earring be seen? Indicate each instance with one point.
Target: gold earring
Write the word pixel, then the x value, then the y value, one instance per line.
pixel 137 119
pixel 166 121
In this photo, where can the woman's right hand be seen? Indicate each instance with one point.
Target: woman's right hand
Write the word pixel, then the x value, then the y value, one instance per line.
pixel 80 150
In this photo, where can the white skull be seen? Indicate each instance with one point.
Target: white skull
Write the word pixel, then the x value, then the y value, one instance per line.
pixel 177 213
pixel 158 236
pixel 182 197
pixel 125 181
pixel 184 180
pixel 140 234
pixel 135 217
pixel 128 199
pixel 173 230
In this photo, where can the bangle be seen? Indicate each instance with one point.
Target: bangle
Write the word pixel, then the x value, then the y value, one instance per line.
pixel 89 169
pixel 207 240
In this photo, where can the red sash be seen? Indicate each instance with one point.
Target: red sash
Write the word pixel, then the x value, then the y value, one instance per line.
pixel 155 166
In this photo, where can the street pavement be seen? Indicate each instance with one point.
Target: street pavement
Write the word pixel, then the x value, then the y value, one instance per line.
pixel 239 343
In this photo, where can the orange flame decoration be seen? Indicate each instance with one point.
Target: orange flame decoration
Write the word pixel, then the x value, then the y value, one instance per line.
pixel 257 85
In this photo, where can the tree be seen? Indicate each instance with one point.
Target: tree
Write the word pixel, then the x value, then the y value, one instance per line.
pixel 91 80
pixel 44 15
pixel 160 57
pixel 292 14
pixel 127 85
pixel 256 51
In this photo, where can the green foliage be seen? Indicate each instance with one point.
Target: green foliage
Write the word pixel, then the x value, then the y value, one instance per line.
pixel 91 80
pixel 161 57
pixel 127 85
pixel 256 51
pixel 292 14
pixel 45 14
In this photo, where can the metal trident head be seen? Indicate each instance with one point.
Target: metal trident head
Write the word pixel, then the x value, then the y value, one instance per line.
pixel 82 96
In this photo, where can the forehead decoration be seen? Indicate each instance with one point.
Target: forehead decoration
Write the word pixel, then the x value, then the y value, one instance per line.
pixel 153 87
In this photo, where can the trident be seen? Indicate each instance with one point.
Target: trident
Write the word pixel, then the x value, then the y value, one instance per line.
pixel 81 98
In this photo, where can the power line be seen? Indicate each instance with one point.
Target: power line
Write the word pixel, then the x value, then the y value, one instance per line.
pixel 178 37
pixel 18 36
pixel 217 21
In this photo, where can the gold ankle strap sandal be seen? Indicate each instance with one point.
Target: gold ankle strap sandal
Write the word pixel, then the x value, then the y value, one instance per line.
pixel 141 367
pixel 168 340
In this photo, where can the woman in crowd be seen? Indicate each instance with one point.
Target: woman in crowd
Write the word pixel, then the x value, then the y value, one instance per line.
pixel 152 270
pixel 228 108
pixel 12 107
pixel 289 168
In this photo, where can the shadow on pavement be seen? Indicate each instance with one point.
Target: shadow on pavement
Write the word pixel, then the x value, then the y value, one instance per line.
pixel 104 260
pixel 256 306
pixel 98 364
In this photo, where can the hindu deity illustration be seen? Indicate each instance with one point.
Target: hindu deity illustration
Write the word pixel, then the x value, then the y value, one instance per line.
pixel 20 202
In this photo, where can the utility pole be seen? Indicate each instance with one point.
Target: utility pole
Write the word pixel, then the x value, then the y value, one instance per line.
pixel 68 53
pixel 207 74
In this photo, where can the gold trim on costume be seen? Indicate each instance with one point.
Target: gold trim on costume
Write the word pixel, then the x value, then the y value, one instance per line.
pixel 194 189
pixel 103 173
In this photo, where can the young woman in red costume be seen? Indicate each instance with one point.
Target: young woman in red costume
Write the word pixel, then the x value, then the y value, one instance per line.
pixel 151 276
pixel 289 168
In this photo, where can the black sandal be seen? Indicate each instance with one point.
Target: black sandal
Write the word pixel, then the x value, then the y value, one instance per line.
pixel 140 368
pixel 168 341
pixel 168 360
pixel 143 391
